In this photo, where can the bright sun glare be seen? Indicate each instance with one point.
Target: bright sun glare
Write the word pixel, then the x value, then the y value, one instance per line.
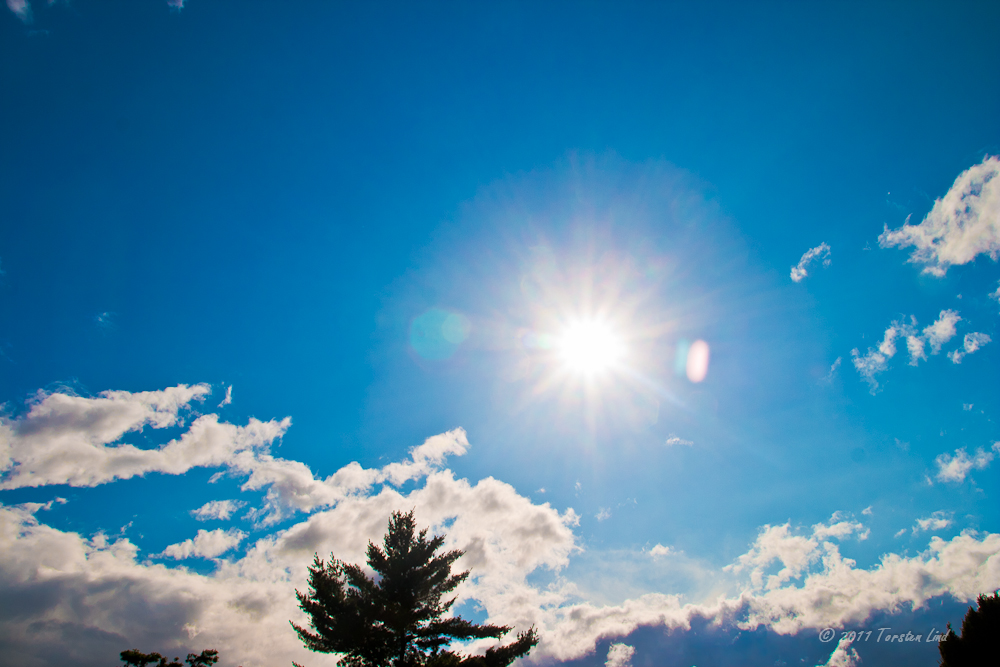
pixel 590 347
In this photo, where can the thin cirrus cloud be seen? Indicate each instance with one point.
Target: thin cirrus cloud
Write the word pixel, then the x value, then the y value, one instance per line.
pixel 962 225
pixel 822 251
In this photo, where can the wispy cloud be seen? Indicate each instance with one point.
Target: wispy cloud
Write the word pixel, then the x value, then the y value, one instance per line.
pixel 821 251
pixel 228 398
pixel 676 440
pixel 21 9
pixel 972 342
pixel 933 336
pixel 937 521
pixel 954 468
pixel 962 225
pixel 876 360
pixel 218 509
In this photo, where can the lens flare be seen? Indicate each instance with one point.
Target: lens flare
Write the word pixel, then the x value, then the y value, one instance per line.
pixel 590 347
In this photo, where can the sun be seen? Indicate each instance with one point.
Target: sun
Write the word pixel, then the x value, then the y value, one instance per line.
pixel 590 347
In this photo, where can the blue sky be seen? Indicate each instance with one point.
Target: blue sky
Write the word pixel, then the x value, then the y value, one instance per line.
pixel 681 320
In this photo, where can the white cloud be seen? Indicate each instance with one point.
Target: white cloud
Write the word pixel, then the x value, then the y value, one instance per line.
pixel 876 361
pixel 942 330
pixel 962 225
pixel 228 398
pixel 206 544
pixel 619 655
pixel 21 9
pixel 794 552
pixel 603 514
pixel 675 440
pixel 89 594
pixel 843 655
pixel 937 521
pixel 996 294
pixel 867 511
pixel 900 533
pixel 972 342
pixel 967 406
pixel 68 439
pixel 834 367
pixel 799 271
pixel 955 468
pixel 218 509
pixel 660 550
pixel 89 591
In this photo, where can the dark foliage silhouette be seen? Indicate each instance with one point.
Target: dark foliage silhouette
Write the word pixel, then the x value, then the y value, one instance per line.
pixel 979 643
pixel 135 658
pixel 394 620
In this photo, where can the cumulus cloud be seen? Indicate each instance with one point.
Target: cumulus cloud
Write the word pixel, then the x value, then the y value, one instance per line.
pixel 65 439
pixel 218 509
pixel 675 440
pixel 291 485
pixel 954 468
pixel 206 544
pixel 660 550
pixel 94 593
pixel 843 655
pixel 619 655
pixel 937 521
pixel 91 596
pixel 962 225
pixel 820 251
pixel 21 9
pixel 972 342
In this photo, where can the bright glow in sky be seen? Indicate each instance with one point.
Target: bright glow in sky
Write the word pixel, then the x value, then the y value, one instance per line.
pixel 590 347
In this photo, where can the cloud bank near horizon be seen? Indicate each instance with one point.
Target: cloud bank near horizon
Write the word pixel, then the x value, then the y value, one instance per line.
pixel 102 591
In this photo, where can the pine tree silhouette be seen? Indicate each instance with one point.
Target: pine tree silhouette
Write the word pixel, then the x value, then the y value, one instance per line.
pixel 395 619
pixel 979 644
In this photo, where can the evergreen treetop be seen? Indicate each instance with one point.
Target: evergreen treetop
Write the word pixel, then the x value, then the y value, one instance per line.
pixel 395 619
